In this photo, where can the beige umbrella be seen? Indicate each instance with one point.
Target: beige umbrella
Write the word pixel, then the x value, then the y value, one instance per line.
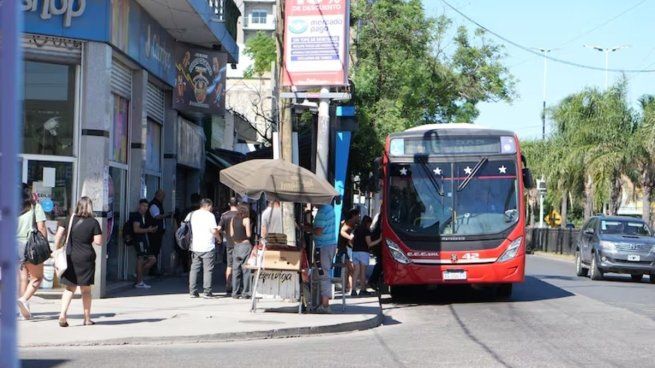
pixel 279 180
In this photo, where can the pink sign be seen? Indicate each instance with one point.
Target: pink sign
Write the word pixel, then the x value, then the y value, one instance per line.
pixel 316 37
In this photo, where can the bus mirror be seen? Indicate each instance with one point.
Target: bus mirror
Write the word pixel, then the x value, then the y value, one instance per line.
pixel 377 174
pixel 528 182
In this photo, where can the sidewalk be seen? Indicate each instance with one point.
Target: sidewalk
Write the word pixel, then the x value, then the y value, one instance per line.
pixel 166 314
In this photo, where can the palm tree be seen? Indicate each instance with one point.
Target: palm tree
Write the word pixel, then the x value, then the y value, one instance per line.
pixel 643 153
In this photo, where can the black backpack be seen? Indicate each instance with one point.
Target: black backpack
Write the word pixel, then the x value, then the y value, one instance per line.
pixel 184 234
pixel 128 233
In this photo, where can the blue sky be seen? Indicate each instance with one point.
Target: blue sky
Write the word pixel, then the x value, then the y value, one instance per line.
pixel 566 25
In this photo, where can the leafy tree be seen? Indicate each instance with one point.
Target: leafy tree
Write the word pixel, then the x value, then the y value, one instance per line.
pixel 261 48
pixel 407 73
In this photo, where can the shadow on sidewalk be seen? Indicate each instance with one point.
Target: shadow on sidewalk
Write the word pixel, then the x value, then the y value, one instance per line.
pixel 53 316
pixel 42 363
pixel 128 321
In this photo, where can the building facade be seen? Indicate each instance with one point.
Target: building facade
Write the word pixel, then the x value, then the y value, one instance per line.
pixel 114 109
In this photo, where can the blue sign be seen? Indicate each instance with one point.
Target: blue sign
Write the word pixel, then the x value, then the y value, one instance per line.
pixel 47 204
pixel 345 111
pixel 340 170
pixel 80 19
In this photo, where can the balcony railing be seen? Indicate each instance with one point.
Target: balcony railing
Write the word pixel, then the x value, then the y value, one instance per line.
pixel 228 12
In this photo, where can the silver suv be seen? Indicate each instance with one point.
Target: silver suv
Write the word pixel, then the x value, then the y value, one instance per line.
pixel 616 244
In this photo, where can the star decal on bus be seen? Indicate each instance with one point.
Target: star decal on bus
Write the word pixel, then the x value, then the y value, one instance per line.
pixel 403 171
pixel 468 170
pixel 437 171
pixel 502 169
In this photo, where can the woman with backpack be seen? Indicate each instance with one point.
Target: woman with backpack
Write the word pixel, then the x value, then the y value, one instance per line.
pixel 83 233
pixel 32 216
pixel 240 232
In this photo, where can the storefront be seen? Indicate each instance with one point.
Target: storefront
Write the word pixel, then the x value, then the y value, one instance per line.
pixel 101 118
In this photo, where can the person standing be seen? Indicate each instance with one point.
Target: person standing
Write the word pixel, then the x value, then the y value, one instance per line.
pixel 223 226
pixel 240 231
pixel 325 239
pixel 157 217
pixel 30 275
pixel 345 250
pixel 144 257
pixel 184 256
pixel 203 249
pixel 272 219
pixel 362 244
pixel 80 256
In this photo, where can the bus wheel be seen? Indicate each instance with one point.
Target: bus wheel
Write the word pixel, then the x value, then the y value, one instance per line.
pixel 504 290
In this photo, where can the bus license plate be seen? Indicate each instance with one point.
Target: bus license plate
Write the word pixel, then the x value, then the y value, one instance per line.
pixel 634 257
pixel 454 275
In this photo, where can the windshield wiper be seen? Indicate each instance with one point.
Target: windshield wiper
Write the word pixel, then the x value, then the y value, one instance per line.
pixel 470 176
pixel 433 181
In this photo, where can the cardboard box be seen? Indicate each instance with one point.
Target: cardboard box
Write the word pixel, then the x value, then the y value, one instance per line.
pixel 282 260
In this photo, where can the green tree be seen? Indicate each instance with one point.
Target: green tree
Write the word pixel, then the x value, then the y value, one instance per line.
pixel 261 48
pixel 406 72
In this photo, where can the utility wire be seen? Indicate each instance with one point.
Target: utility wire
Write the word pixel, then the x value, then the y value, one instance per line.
pixel 531 51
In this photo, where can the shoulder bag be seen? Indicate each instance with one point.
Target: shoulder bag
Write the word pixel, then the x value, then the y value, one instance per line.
pixel 61 262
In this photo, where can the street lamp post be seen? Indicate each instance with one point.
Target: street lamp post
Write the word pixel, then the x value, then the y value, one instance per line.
pixel 543 106
pixel 606 51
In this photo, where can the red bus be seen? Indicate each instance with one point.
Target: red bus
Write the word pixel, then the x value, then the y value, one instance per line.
pixel 453 209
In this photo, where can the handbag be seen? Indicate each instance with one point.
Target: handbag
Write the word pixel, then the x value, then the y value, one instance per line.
pixel 37 249
pixel 61 261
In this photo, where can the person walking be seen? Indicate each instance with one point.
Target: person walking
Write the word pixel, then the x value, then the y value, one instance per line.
pixel 240 232
pixel 80 256
pixel 204 231
pixel 223 226
pixel 362 243
pixel 325 239
pixel 30 275
pixel 272 219
pixel 144 257
pixel 157 217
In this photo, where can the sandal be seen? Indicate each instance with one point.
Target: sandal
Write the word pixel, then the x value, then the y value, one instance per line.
pixel 63 323
pixel 89 323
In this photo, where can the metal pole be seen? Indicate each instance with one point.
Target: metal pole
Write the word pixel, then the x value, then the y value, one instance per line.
pixel 10 106
pixel 323 140
pixel 543 110
pixel 541 210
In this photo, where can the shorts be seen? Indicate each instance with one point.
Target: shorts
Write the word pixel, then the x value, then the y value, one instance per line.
pixel 142 250
pixel 229 250
pixel 347 255
pixel 361 258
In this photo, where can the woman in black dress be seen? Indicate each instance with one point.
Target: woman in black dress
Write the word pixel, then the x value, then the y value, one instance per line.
pixel 81 257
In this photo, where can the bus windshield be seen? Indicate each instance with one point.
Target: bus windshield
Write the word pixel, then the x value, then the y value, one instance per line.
pixel 427 199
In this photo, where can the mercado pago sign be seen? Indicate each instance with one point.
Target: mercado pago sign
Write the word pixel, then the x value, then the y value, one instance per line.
pixel 68 9
pixel 316 36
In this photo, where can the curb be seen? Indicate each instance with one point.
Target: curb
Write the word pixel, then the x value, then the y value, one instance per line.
pixel 366 324
pixel 555 257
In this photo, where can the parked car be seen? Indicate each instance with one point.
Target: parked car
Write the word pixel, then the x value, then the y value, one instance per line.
pixel 618 245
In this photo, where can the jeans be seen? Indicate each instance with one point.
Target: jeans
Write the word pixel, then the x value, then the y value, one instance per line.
pixel 240 275
pixel 205 260
pixel 327 256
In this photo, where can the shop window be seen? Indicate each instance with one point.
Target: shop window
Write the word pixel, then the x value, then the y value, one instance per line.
pixel 152 185
pixel 58 192
pixel 153 147
pixel 49 113
pixel 120 117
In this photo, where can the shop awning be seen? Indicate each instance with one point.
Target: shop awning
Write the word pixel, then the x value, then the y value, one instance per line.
pixel 223 159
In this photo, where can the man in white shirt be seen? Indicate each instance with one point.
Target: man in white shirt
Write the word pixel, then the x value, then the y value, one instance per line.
pixel 272 219
pixel 203 250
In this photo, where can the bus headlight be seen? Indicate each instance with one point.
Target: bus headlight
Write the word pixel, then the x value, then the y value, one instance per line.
pixel 397 253
pixel 511 251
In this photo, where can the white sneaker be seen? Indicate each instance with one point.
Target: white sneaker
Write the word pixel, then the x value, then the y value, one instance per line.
pixel 142 285
pixel 24 309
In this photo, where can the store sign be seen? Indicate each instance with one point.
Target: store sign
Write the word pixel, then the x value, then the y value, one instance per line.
pixel 190 144
pixel 68 9
pixel 316 42
pixel 82 19
pixel 137 34
pixel 200 80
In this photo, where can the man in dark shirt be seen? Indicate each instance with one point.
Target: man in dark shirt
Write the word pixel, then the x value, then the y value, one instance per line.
pixel 223 227
pixel 141 229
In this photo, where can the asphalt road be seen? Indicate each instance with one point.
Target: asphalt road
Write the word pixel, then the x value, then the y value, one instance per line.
pixel 554 319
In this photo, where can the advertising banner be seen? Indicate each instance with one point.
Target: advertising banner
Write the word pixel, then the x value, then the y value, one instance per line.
pixel 200 80
pixel 316 37
pixel 81 19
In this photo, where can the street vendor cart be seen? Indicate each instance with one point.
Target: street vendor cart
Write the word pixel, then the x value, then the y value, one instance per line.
pixel 279 266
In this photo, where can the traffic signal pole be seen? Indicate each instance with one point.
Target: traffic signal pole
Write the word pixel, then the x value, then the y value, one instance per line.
pixel 10 106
